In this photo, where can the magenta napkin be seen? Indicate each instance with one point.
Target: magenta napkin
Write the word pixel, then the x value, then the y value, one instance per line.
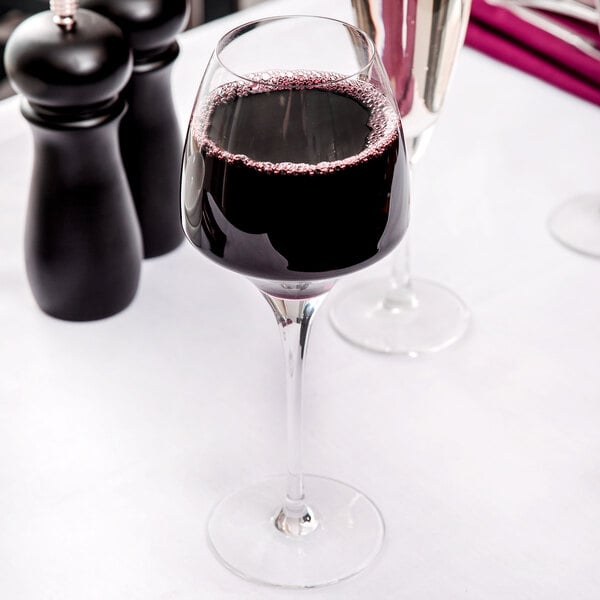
pixel 504 36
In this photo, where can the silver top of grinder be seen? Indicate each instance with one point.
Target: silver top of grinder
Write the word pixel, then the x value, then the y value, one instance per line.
pixel 64 13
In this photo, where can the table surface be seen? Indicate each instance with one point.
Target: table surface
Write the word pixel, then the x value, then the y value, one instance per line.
pixel 117 437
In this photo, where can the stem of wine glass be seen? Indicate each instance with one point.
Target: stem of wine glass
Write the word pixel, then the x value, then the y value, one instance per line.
pixel 294 317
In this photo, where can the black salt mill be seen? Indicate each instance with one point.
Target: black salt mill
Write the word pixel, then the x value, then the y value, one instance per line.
pixel 151 142
pixel 83 247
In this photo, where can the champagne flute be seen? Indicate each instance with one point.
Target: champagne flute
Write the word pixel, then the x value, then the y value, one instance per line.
pixel 419 41
pixel 295 174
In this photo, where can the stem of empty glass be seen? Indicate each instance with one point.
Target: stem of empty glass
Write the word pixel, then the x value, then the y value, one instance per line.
pixel 294 318
pixel 400 295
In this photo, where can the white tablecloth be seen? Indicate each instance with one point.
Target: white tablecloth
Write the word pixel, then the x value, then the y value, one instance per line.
pixel 117 437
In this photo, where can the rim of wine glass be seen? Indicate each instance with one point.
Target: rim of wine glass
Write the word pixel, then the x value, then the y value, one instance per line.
pixel 236 32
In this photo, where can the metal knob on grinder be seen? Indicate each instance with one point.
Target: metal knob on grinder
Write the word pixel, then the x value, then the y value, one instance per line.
pixel 64 12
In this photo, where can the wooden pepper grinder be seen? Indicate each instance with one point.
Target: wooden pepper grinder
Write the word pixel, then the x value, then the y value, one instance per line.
pixel 83 245
pixel 151 142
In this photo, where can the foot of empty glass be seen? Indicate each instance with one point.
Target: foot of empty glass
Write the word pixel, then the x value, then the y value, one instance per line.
pixel 576 224
pixel 433 319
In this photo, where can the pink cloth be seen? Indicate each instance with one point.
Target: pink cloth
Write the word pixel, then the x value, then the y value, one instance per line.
pixel 504 36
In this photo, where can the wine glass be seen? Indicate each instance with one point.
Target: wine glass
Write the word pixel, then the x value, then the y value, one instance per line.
pixel 419 41
pixel 576 222
pixel 294 174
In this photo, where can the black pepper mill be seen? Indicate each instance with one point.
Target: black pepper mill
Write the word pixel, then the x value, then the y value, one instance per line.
pixel 151 142
pixel 83 246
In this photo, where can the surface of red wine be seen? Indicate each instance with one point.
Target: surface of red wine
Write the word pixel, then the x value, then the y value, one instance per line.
pixel 300 179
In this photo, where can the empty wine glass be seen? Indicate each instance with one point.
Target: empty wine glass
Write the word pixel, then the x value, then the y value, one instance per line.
pixel 295 174
pixel 419 41
pixel 576 222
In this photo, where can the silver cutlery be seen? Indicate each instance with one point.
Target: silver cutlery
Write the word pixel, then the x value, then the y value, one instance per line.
pixel 525 11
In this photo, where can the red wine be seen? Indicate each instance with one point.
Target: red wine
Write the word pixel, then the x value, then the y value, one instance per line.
pixel 297 179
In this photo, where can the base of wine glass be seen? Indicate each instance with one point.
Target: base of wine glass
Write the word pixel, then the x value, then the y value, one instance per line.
pixel 435 319
pixel 347 537
pixel 576 224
